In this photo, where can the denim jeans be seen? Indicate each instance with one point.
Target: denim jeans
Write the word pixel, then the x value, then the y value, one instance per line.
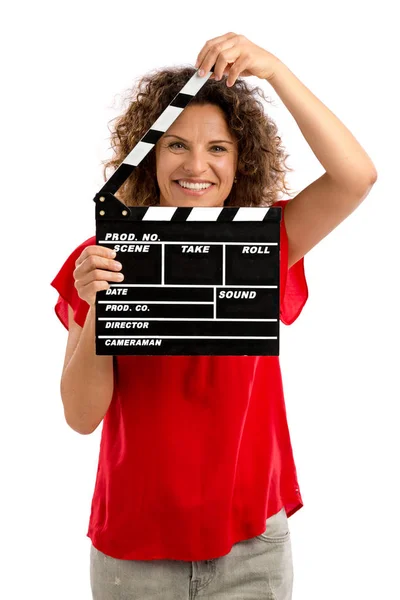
pixel 254 569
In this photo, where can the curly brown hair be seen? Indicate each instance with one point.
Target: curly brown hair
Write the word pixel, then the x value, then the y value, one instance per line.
pixel 261 169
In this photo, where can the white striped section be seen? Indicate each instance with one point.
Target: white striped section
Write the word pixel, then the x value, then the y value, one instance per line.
pixel 205 213
pixel 152 302
pixel 195 83
pixel 166 118
pixel 192 285
pixel 188 337
pixel 138 153
pixel 178 319
pixel 215 304
pixel 162 264
pixel 251 213
pixel 223 264
pixel 159 213
pixel 181 242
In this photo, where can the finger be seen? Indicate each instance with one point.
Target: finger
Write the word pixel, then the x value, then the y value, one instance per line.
pixel 204 51
pixel 98 250
pixel 86 293
pixel 225 58
pixel 208 44
pixel 93 262
pixel 213 54
pixel 99 275
pixel 238 67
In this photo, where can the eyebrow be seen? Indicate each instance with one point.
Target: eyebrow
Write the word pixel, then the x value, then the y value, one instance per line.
pixel 211 142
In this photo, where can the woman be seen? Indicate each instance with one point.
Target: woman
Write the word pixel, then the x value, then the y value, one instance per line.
pixel 196 478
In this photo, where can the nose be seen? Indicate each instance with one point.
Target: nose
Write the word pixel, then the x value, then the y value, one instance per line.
pixel 195 162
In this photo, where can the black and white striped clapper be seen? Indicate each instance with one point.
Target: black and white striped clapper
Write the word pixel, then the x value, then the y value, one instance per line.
pixel 197 280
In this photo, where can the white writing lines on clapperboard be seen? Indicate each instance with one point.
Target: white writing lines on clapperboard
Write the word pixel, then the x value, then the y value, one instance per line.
pixel 127 243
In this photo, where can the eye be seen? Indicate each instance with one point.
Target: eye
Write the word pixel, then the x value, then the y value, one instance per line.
pixel 175 144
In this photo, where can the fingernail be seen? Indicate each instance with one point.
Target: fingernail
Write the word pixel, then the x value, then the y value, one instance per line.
pixel 201 72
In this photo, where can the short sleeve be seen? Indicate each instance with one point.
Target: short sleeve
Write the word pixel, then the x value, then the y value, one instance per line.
pixel 64 283
pixel 293 284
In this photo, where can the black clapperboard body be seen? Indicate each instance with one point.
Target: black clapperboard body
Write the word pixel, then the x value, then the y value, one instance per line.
pixel 197 280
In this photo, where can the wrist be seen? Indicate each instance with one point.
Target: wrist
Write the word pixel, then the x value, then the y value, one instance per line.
pixel 276 68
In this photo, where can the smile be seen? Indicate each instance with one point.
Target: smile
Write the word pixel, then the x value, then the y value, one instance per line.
pixel 194 190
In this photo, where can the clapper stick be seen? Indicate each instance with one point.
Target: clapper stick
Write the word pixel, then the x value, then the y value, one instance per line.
pixel 149 140
pixel 197 280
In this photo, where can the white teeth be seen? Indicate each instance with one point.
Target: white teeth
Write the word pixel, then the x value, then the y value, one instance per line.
pixel 194 186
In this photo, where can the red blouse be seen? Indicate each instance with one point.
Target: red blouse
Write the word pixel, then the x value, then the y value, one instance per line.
pixel 195 451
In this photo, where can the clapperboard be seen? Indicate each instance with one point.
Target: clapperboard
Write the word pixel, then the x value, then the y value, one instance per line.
pixel 197 280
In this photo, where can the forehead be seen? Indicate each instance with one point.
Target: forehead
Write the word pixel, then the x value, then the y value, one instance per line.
pixel 206 118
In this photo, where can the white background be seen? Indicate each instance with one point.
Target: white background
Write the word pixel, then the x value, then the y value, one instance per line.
pixel 65 67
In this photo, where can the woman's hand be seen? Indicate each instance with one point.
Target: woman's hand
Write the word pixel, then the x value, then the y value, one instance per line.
pixel 235 55
pixel 94 268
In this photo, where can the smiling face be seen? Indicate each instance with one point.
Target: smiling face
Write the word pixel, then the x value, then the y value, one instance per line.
pixel 198 146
